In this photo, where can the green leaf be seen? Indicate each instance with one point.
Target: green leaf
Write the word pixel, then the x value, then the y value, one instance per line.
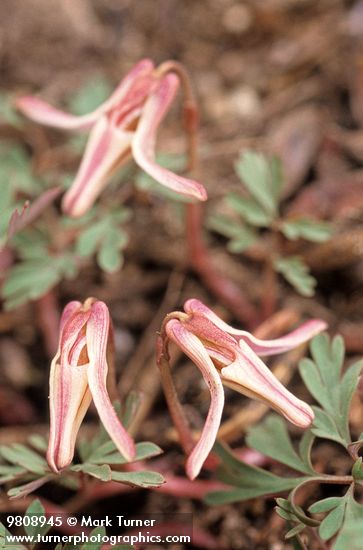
pixel 347 387
pixel 325 505
pixel 312 380
pixel 332 522
pixel 254 170
pixel 34 277
pixel 295 531
pixel 277 177
pixel 284 504
pixel 108 454
pixel 139 479
pixel 250 481
pixel 132 403
pixel 351 534
pixel 90 238
pixel 225 226
pixel 38 442
pixel 296 272
pixel 305 446
pixel 109 258
pixel 242 242
pixel 8 113
pixel 91 95
pixel 249 209
pixel 322 376
pixel 4 543
pixel 36 509
pixel 325 426
pixel 307 229
pixel 102 472
pixel 357 470
pixel 241 236
pixel 20 455
pixel 272 439
pixel 284 514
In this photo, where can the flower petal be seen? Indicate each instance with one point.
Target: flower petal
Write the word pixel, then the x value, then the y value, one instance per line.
pixel 250 376
pixel 69 397
pixel 143 145
pixel 107 149
pixel 97 334
pixel 40 111
pixel 193 348
pixel 133 87
pixel 262 347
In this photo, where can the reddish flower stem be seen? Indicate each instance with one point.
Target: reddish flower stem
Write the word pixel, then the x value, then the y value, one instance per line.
pixel 198 254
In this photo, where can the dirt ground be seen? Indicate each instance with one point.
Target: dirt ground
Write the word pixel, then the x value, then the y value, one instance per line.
pixel 280 76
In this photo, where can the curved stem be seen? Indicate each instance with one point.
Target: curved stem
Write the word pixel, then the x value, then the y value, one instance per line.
pixel 199 256
pixel 176 411
pixel 332 480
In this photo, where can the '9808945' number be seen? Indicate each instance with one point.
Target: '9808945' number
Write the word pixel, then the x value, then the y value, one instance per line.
pixel 33 520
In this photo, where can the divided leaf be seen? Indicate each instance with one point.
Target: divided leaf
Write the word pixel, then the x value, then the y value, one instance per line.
pixel 322 376
pixel 249 481
pixel 307 229
pixel 271 438
pixel 296 272
pixel 263 183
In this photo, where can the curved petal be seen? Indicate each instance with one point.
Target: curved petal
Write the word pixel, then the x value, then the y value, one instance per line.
pixel 133 88
pixel 250 376
pixel 262 347
pixel 97 333
pixel 143 145
pixel 40 111
pixel 193 348
pixel 107 149
pixel 69 397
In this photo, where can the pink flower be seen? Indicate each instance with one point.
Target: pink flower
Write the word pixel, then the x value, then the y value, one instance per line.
pixel 78 375
pixel 122 127
pixel 227 356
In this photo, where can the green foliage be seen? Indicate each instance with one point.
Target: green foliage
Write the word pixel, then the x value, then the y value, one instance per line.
pixel 25 468
pixel 296 272
pixel 104 235
pixel 260 211
pixel 248 481
pixel 304 228
pixel 16 180
pixel 8 114
pixel 333 390
pixel 272 439
pixel 262 179
pixel 90 96
pixel 336 517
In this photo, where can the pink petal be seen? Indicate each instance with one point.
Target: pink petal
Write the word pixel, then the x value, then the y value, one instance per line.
pixel 97 335
pixel 250 376
pixel 134 86
pixel 132 90
pixel 194 349
pixel 143 145
pixel 69 397
pixel 107 149
pixel 261 347
pixel 39 111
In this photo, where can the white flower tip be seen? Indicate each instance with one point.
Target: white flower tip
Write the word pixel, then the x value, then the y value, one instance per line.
pixel 192 468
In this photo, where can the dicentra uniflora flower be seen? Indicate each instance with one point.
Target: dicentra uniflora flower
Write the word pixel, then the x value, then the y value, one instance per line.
pixel 78 375
pixel 230 357
pixel 122 127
